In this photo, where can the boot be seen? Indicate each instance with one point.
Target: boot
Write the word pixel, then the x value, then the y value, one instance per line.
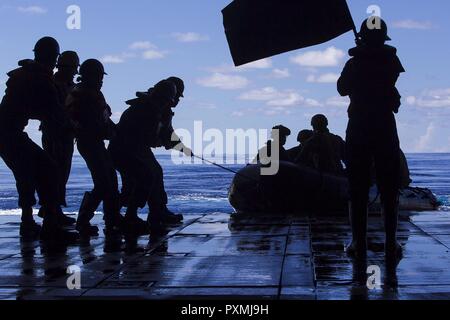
pixel 114 225
pixel 358 217
pixel 62 218
pixel 85 215
pixel 133 225
pixel 137 227
pixel 393 248
pixel 30 230
pixel 171 218
pixel 54 233
pixel 155 222
pixel 87 230
pixel 114 221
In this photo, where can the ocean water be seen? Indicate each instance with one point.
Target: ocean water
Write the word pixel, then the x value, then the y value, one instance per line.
pixel 203 188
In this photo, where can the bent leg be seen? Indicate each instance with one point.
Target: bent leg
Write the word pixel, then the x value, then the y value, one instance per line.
pixel 104 177
pixel 17 152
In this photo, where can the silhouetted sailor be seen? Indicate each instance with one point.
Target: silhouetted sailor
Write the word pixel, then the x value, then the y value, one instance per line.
pixel 168 139
pixel 369 79
pixel 302 137
pixel 268 153
pixel 91 116
pixel 31 94
pixel 60 145
pixel 324 151
pixel 146 124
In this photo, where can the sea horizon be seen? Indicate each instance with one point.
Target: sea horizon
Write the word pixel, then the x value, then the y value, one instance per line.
pixel 198 187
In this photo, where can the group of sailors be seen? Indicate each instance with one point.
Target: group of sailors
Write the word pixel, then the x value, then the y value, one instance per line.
pixel 76 112
pixel 318 149
pixel 71 112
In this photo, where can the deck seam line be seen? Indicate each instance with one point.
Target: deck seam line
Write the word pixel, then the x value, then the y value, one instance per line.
pixel 143 254
pixel 280 285
pixel 429 235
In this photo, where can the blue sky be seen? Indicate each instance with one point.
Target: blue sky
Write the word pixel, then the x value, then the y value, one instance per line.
pixel 143 41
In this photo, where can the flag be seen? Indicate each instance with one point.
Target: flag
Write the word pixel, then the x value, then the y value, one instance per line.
pixel 258 29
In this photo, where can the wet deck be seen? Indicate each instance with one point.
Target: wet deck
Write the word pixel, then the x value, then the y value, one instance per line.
pixel 213 256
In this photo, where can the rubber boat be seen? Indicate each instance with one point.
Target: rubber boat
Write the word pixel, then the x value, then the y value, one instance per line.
pixel 302 190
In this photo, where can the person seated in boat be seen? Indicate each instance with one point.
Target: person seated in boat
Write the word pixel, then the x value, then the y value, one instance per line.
pixel 302 138
pixel 268 153
pixel 324 151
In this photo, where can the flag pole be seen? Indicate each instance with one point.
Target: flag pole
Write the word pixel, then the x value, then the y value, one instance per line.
pixel 355 31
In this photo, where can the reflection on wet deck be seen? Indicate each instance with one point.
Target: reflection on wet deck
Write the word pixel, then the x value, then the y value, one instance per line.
pixel 218 256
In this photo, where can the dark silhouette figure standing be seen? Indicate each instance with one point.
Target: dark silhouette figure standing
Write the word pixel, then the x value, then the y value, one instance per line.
pixel 31 94
pixel 60 145
pixel 91 116
pixel 324 151
pixel 146 124
pixel 369 79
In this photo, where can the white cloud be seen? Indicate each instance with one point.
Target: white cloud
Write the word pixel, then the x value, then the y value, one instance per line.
pixel 437 98
pixel 330 57
pixel 189 37
pixel 117 58
pixel 224 81
pixel 312 103
pixel 280 73
pixel 264 94
pixel 147 51
pixel 277 98
pixel 142 45
pixel 112 59
pixel 286 99
pixel 338 101
pixel 411 100
pixel 32 10
pixel 260 64
pixel 324 78
pixel 426 141
pixel 256 65
pixel 154 54
pixel 413 25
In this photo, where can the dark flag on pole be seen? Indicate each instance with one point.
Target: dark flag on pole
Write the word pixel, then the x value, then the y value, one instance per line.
pixel 258 29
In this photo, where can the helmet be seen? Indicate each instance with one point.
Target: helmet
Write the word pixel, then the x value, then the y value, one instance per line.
pixel 68 59
pixel 370 33
pixel 165 89
pixel 92 67
pixel 319 122
pixel 46 48
pixel 284 132
pixel 304 135
pixel 179 84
